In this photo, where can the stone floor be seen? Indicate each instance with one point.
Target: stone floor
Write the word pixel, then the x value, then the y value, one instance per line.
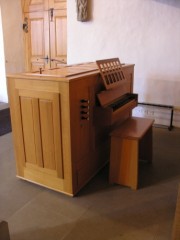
pixel 5 121
pixel 3 105
pixel 100 211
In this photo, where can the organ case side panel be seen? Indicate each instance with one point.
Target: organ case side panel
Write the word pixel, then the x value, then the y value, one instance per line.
pixel 89 152
pixel 41 130
pixel 43 155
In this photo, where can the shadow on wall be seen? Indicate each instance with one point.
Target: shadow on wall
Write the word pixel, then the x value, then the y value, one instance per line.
pixel 90 10
pixel 174 3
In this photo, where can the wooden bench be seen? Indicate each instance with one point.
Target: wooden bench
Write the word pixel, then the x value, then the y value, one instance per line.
pixel 129 143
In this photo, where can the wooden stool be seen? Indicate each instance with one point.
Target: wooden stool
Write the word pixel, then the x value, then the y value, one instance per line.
pixel 129 143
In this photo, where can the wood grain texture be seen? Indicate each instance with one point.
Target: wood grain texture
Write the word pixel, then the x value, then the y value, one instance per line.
pixel 46 38
pixel 126 150
pixel 112 72
pixel 60 138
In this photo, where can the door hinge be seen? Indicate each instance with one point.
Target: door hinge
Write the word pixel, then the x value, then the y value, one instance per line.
pixel 25 25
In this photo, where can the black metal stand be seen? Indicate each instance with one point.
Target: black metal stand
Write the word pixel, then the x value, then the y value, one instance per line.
pixel 162 106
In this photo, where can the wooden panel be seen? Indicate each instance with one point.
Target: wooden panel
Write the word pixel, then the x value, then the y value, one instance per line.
pixel 28 129
pixel 82 129
pixel 145 147
pixel 111 72
pixel 58 135
pixel 46 119
pixel 133 128
pixel 46 37
pixel 16 121
pixel 34 5
pixel 31 130
pixel 41 123
pixel 37 132
pixel 37 38
pixel 124 162
pixel 58 4
pixel 61 36
pixel 37 86
pixel 36 2
pixel 58 38
pixel 37 41
pixel 35 66
pixel 125 146
pixel 129 74
pixel 49 181
pixel 37 94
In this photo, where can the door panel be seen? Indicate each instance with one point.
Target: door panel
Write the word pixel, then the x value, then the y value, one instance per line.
pixel 37 40
pixel 46 33
pixel 58 38
pixel 34 5
pixel 40 113
pixel 28 123
pixel 46 118
pixel 37 37
pixel 57 4
pixel 61 36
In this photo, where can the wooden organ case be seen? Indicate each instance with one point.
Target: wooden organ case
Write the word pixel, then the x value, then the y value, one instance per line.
pixel 60 131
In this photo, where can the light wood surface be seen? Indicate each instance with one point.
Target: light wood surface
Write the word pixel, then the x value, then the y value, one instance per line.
pixel 111 72
pixel 61 138
pixel 130 142
pixel 47 33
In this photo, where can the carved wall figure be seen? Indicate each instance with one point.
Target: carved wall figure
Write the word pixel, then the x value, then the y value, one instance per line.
pixel 81 10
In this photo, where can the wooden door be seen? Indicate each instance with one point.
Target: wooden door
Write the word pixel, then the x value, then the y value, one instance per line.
pixel 46 35
pixel 37 35
pixel 37 40
pixel 58 38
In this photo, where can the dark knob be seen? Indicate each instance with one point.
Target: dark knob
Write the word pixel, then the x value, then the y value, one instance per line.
pixel 83 112
pixel 84 106
pixel 84 101
pixel 85 118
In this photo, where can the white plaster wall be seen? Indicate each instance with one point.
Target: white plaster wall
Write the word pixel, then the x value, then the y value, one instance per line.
pixel 13 38
pixel 143 32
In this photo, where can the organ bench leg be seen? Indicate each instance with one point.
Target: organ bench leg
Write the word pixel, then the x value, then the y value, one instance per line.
pixel 124 162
